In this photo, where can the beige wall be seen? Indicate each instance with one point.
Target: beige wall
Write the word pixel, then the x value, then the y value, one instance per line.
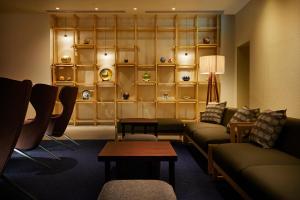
pixel 273 29
pixel 25 47
pixel 228 89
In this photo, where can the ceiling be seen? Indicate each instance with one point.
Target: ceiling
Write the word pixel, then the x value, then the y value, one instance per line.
pixel 226 6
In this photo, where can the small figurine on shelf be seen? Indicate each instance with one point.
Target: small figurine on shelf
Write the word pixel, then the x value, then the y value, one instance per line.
pixel 87 41
pixel 171 60
pixel 166 95
pixel 61 78
pixel 186 78
pixel 162 59
pixel 206 40
pixel 126 60
pixel 125 95
pixel 146 76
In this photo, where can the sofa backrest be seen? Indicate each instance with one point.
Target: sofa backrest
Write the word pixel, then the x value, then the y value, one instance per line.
pixel 228 113
pixel 289 138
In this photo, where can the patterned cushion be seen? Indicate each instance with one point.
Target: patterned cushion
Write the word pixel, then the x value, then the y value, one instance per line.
pixel 213 113
pixel 267 128
pixel 244 115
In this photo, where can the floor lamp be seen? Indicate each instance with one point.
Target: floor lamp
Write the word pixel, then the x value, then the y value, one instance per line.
pixel 212 65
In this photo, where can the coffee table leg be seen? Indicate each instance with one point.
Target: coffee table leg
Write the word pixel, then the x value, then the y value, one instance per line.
pixel 107 171
pixel 172 173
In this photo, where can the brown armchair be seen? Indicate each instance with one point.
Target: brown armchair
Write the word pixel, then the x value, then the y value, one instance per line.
pixel 43 100
pixel 13 107
pixel 58 123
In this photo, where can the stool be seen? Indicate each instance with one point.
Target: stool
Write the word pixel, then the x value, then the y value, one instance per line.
pixel 137 190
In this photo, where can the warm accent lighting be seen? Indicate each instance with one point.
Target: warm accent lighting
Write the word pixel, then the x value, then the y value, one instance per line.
pixel 96 8
pixel 212 65
pixel 134 8
pixel 57 8
pixel 173 9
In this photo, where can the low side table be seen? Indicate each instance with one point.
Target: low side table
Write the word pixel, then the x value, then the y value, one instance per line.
pixel 133 122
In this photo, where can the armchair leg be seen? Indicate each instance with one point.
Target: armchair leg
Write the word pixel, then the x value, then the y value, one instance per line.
pixel 31 158
pixel 27 194
pixel 73 141
pixel 59 142
pixel 52 154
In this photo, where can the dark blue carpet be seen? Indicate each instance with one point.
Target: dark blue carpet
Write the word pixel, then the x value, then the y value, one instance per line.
pixel 80 176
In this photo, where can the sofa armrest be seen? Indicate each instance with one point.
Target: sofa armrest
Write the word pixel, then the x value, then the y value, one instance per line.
pixel 237 130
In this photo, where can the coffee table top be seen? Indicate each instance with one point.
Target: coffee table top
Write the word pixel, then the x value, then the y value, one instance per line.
pixel 138 150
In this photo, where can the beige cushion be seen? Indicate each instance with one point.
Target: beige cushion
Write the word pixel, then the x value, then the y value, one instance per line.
pixel 137 190
pixel 267 128
pixel 213 113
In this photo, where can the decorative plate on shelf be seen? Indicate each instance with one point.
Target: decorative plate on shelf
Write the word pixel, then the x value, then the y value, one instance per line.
pixel 105 74
pixel 86 94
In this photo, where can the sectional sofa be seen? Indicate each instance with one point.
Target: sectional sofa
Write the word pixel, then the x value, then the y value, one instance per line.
pixel 202 134
pixel 260 173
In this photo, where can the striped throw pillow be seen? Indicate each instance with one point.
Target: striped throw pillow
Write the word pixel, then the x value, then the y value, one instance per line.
pixel 213 113
pixel 267 128
pixel 244 114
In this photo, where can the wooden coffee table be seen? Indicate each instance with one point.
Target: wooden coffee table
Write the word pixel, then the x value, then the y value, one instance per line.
pixel 141 151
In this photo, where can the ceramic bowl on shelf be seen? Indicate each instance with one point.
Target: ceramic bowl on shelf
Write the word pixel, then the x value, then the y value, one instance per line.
pixel 66 59
pixel 105 74
pixel 185 78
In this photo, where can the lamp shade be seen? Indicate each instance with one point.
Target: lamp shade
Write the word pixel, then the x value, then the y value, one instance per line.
pixel 212 64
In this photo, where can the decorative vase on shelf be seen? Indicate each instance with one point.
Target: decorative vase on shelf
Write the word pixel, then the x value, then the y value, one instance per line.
pixel 146 76
pixel 125 95
pixel 66 59
pixel 162 59
pixel 126 60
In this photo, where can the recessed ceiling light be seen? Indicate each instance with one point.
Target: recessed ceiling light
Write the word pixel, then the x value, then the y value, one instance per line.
pixel 96 8
pixel 134 8
pixel 57 8
pixel 173 9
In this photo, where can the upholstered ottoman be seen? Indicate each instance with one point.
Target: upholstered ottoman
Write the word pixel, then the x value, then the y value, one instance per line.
pixel 137 190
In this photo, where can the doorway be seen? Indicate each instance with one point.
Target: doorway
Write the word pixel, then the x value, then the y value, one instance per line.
pixel 243 74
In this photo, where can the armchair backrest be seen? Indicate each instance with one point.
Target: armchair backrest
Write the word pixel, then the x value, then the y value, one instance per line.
pixel 43 99
pixel 58 125
pixel 13 106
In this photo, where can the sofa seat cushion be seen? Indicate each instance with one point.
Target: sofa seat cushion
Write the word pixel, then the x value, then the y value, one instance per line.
pixel 206 133
pixel 166 126
pixel 272 181
pixel 235 157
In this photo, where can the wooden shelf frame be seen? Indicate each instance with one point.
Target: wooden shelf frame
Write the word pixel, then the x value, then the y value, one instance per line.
pixel 135 30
